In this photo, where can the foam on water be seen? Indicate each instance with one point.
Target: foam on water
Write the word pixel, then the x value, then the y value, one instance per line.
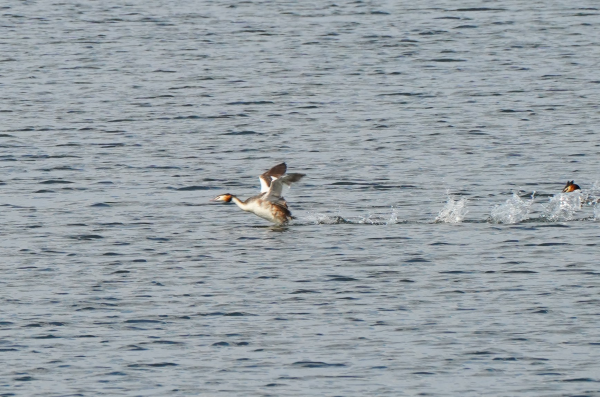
pixel 454 211
pixel 514 210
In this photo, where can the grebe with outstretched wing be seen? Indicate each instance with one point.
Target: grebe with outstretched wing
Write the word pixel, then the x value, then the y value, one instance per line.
pixel 268 204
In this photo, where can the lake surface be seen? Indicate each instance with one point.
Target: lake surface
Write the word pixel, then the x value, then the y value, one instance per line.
pixel 432 254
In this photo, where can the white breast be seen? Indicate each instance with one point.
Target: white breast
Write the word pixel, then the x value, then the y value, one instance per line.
pixel 264 211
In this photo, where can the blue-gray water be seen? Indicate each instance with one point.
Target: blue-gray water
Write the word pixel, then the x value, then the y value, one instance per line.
pixel 419 264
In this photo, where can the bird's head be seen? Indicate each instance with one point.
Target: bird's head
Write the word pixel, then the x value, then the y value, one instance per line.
pixel 223 197
pixel 570 187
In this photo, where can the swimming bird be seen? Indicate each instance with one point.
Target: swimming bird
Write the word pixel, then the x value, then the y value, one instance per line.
pixel 268 204
pixel 570 187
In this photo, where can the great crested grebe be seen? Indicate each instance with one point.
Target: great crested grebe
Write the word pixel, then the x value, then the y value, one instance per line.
pixel 268 204
pixel 570 187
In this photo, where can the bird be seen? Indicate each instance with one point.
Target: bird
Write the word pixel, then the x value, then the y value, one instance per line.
pixel 269 204
pixel 570 187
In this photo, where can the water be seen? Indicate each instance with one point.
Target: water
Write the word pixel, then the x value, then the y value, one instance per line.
pixel 412 268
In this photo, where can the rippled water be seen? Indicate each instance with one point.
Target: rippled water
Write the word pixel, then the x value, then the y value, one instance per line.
pixel 432 252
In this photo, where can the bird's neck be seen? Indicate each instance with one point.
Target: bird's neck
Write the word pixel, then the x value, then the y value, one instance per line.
pixel 239 203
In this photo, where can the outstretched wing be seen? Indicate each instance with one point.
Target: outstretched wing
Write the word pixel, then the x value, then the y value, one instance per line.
pixel 277 185
pixel 268 177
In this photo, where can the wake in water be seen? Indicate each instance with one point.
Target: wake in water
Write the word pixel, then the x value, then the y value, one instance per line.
pixel 370 219
pixel 454 211
pixel 514 210
pixel 322 219
pixel 561 207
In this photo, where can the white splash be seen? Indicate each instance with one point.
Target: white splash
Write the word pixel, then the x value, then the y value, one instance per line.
pixel 514 210
pixel 454 211
pixel 393 217
pixel 563 206
pixel 594 195
pixel 593 199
